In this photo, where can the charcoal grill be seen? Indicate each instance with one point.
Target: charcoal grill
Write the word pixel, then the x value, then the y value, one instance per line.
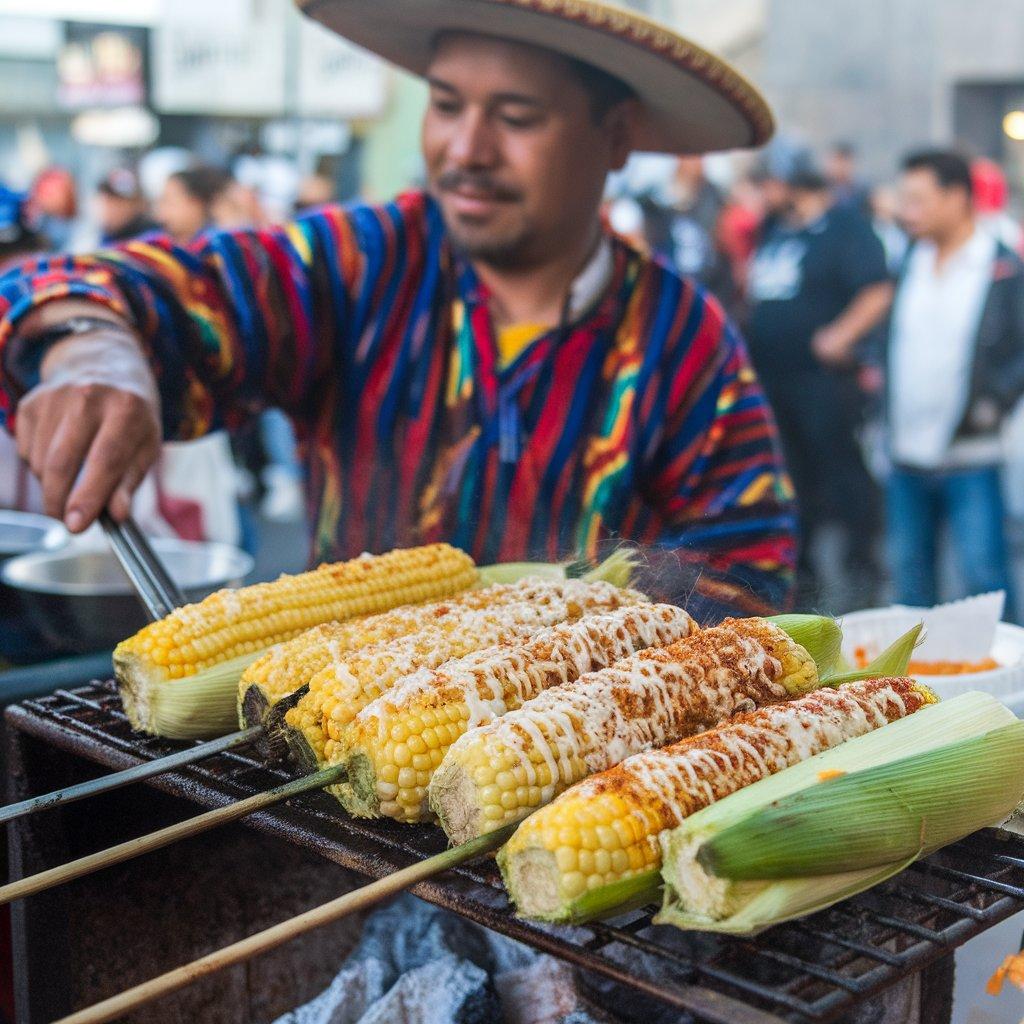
pixel 813 971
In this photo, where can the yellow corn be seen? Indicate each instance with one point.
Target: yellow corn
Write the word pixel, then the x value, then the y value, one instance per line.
pixel 230 623
pixel 346 685
pixel 500 771
pixel 288 666
pixel 424 713
pixel 604 830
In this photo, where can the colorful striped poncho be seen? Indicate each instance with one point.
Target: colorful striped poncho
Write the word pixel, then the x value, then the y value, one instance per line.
pixel 643 420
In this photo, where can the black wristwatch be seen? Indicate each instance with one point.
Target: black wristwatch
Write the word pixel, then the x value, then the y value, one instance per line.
pixel 72 327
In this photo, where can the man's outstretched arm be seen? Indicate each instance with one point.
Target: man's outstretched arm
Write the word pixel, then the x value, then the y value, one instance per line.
pixel 192 339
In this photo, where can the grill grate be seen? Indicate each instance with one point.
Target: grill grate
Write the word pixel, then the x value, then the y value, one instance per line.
pixel 807 972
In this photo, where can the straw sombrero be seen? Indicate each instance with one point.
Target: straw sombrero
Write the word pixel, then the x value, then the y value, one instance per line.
pixel 693 102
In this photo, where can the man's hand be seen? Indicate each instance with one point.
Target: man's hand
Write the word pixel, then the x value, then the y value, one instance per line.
pixel 91 429
pixel 831 346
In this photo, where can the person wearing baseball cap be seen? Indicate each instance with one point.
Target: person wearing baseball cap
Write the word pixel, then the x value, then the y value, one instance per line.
pixel 122 209
pixel 480 362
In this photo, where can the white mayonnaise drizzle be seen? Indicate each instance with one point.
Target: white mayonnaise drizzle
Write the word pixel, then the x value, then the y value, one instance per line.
pixel 694 773
pixel 596 718
pixel 497 679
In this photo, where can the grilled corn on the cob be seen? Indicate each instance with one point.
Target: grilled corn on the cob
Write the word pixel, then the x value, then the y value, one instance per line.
pixel 840 822
pixel 501 771
pixel 596 847
pixel 163 668
pixel 346 685
pixel 289 666
pixel 390 743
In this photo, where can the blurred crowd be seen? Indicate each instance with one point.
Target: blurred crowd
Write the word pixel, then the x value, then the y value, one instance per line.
pixel 220 487
pixel 885 320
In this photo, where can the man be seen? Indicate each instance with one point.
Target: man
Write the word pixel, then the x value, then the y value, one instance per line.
pixel 818 284
pixel 956 368
pixel 682 226
pixel 187 205
pixel 848 191
pixel 121 207
pixel 481 363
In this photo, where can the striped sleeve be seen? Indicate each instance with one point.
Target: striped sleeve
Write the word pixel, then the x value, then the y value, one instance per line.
pixel 237 321
pixel 724 509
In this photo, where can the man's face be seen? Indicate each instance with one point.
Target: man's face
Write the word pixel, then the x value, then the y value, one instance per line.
pixel 777 196
pixel 180 214
pixel 116 212
pixel 840 167
pixel 512 150
pixel 928 209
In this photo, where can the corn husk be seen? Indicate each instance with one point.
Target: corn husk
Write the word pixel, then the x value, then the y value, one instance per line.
pixel 196 707
pixel 618 569
pixel 819 635
pixel 908 788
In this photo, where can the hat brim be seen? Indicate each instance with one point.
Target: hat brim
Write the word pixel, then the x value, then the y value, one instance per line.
pixel 691 100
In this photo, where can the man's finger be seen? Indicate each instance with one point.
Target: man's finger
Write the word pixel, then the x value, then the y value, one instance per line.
pixel 24 431
pixel 120 504
pixel 110 455
pixel 70 442
pixel 48 416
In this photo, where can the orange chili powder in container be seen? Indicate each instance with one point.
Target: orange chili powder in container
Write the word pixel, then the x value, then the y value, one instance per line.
pixel 934 668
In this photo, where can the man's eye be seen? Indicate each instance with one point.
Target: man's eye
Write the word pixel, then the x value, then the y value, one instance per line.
pixel 526 121
pixel 447 107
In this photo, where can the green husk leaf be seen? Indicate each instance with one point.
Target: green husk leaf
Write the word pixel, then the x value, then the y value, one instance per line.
pixel 618 569
pixel 873 817
pixel 819 635
pixel 893 661
pixel 696 899
pixel 769 905
pixel 196 707
pixel 510 572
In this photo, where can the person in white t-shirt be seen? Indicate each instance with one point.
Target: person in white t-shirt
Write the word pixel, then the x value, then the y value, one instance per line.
pixel 955 369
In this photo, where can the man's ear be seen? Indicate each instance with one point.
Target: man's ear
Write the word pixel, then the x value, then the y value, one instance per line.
pixel 620 123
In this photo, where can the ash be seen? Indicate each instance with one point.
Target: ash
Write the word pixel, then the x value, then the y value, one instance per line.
pixel 416 964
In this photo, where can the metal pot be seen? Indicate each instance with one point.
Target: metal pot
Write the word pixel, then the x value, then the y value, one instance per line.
pixel 21 533
pixel 81 600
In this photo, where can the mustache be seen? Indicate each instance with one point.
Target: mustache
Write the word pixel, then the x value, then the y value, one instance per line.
pixel 475 181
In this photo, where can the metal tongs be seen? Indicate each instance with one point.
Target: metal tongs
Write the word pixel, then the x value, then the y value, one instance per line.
pixel 152 582
pixel 160 595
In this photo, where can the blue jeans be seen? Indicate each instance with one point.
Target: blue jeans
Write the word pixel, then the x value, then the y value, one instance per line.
pixel 278 437
pixel 971 501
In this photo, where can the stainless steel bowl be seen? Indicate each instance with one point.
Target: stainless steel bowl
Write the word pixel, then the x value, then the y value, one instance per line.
pixel 22 532
pixel 81 600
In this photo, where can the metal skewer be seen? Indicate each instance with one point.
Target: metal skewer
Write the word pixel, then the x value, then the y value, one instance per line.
pixel 165 836
pixel 160 595
pixel 270 938
pixel 146 770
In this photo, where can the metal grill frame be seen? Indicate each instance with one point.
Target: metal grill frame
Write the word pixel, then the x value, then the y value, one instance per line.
pixel 858 948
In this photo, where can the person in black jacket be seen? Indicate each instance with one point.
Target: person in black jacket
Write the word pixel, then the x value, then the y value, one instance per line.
pixel 818 284
pixel 955 370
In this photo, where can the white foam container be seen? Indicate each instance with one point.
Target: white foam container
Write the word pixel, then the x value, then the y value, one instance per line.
pixel 875 628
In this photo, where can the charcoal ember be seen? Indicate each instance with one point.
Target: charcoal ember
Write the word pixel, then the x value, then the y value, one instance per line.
pixel 417 964
pixel 545 992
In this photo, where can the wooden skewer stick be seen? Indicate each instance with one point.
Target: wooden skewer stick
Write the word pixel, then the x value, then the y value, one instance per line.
pixel 165 836
pixel 261 942
pixel 146 770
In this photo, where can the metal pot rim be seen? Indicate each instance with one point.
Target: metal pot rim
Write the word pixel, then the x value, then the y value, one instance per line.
pixel 16 573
